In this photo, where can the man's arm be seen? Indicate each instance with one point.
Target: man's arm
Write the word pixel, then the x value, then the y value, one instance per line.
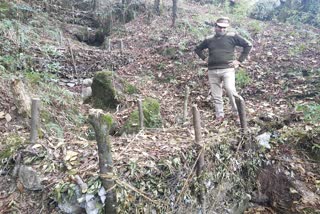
pixel 246 47
pixel 200 48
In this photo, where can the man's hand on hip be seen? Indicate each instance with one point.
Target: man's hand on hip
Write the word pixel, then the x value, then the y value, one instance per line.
pixel 235 63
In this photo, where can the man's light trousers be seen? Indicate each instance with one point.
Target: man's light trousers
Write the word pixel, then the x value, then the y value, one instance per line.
pixel 216 78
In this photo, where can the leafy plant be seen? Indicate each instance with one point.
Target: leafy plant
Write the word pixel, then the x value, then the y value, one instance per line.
pixel 296 50
pixel 311 112
pixel 256 26
pixel 242 78
pixel 55 130
pixel 50 50
pixel 53 67
pixel 131 89
pixel 199 31
pixel 11 144
pixel 66 188
pixel 316 147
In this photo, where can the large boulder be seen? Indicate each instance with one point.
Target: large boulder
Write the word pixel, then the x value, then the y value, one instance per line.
pixel 104 93
pixel 151 114
pixel 109 90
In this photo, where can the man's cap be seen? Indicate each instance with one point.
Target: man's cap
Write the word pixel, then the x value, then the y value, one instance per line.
pixel 223 22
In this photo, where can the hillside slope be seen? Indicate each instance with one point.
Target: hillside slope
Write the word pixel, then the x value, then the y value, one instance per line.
pixel 153 168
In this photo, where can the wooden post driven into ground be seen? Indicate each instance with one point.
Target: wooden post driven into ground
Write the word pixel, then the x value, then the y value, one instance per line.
pixel 185 105
pixel 35 106
pixel 200 162
pixel 101 124
pixel 141 118
pixel 242 113
pixel 121 46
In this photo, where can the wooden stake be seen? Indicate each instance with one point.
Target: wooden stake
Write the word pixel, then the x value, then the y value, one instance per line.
pixel 141 118
pixel 121 45
pixel 185 105
pixel 73 59
pixel 242 112
pixel 83 186
pixel 34 119
pixel 200 163
pixel 107 44
pixel 101 127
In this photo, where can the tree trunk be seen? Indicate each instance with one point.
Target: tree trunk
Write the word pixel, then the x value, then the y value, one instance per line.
pixel 200 163
pixel 156 7
pixel 101 124
pixel 242 113
pixel 103 16
pixel 185 105
pixel 174 11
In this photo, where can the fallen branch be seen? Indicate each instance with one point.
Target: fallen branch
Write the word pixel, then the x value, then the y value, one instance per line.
pixel 188 178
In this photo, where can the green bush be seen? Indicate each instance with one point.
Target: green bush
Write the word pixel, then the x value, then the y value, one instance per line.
pixel 242 78
pixel 151 113
pixel 131 89
pixel 264 9
pixel 311 112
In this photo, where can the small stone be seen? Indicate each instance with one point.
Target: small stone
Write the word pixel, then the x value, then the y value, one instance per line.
pixel 87 82
pixel 2 115
pixel 8 117
pixel 86 92
pixel 70 84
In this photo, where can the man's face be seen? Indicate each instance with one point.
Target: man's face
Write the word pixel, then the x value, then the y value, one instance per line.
pixel 220 31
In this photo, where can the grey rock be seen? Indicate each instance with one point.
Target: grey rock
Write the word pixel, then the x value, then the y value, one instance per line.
pixel 87 82
pixel 68 207
pixel 86 92
pixel 92 204
pixel 264 140
pixel 71 205
pixel 102 193
pixel 70 84
pixel 29 178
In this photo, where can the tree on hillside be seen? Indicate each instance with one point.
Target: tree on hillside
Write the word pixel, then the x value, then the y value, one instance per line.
pixel 174 11
pixel 156 7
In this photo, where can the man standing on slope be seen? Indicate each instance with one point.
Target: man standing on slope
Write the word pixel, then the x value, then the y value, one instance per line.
pixel 222 63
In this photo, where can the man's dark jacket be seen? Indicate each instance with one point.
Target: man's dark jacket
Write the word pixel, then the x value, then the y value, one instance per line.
pixel 221 50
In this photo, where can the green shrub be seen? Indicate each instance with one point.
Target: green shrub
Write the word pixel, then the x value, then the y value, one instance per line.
pixel 9 145
pixel 199 30
pixel 311 112
pixel 264 9
pixel 242 78
pixel 151 113
pixel 131 89
pixel 297 50
pixel 256 26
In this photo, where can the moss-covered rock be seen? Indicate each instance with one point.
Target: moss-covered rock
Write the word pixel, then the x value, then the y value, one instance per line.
pixel 103 91
pixel 151 113
pixel 109 90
